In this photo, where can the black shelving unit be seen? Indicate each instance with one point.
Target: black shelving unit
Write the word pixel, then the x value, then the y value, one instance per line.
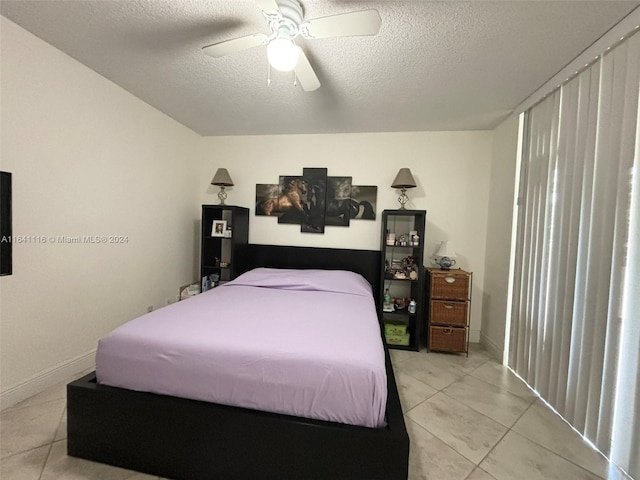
pixel 218 252
pixel 403 277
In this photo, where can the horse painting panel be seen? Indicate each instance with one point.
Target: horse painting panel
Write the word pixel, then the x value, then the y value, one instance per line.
pixel 363 202
pixel 338 201
pixel 315 200
pixel 315 206
pixel 288 205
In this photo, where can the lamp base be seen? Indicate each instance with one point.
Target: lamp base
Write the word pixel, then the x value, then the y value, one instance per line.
pixel 222 195
pixel 445 263
pixel 403 199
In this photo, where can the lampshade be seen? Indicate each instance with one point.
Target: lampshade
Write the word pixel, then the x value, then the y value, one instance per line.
pixel 446 250
pixel 222 178
pixel 283 54
pixel 404 179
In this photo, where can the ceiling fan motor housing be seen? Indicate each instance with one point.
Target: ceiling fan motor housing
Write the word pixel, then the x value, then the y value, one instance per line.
pixel 288 23
pixel 291 10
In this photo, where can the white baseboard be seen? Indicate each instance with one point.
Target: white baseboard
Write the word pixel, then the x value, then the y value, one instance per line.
pixel 64 371
pixel 474 336
pixel 495 351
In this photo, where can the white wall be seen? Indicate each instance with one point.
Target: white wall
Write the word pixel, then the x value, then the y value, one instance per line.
pixel 451 169
pixel 499 227
pixel 87 158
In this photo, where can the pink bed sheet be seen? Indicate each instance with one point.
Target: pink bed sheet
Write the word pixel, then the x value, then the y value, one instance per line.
pixel 299 342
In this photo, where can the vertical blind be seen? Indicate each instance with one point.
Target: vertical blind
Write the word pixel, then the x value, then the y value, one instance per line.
pixel 575 319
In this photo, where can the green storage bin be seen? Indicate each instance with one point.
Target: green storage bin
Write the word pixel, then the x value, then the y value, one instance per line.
pixel 398 339
pixel 391 328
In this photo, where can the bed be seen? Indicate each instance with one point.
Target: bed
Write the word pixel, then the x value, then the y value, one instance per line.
pixel 174 437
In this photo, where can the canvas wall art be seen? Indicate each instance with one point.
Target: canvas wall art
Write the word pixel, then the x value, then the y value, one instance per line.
pixel 314 200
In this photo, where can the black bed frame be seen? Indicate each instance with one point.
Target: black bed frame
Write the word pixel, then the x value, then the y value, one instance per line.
pixel 187 439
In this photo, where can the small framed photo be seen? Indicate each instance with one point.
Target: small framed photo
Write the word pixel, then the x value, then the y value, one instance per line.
pixel 218 228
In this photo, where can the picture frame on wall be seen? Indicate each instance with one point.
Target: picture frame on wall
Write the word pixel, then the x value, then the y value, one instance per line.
pixel 314 203
pixel 293 193
pixel 364 201
pixel 218 228
pixel 267 199
pixel 339 209
pixel 316 200
pixel 5 224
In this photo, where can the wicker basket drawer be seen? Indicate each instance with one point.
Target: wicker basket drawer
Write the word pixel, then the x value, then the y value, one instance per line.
pixel 448 339
pixel 450 285
pixel 448 313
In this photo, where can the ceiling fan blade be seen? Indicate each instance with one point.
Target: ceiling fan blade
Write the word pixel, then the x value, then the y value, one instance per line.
pixel 305 74
pixel 237 44
pixel 270 7
pixel 366 22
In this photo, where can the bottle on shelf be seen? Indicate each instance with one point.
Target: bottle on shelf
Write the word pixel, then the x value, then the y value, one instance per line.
pixel 412 306
pixel 388 305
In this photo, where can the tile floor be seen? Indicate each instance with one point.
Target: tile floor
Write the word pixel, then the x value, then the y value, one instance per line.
pixel 468 419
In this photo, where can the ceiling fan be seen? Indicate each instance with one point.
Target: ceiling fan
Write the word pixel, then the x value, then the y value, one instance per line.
pixel 285 19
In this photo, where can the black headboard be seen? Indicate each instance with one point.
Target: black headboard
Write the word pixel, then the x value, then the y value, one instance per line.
pixel 365 262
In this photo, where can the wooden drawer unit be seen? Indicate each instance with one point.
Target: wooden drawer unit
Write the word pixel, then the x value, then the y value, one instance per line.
pixel 449 303
pixel 448 339
pixel 445 312
pixel 450 284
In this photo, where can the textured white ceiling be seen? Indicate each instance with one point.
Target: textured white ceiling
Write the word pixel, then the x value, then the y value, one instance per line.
pixel 434 65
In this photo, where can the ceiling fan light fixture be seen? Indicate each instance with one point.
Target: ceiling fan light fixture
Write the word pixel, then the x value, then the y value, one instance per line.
pixel 283 54
pixel 286 23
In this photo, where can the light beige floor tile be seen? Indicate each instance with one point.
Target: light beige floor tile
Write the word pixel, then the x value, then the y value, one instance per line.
pixel 24 466
pixel 499 375
pixel 515 457
pixel 62 467
pixel 479 474
pixel 614 473
pixel 491 400
pixel 462 428
pixel 462 362
pixel 477 348
pixel 451 431
pixel 545 427
pixel 431 459
pixel 398 356
pixel 434 370
pixel 29 427
pixel 412 391
pixel 57 392
pixel 61 432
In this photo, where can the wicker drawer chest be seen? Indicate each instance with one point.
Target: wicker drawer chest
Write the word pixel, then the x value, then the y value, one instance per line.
pixel 448 316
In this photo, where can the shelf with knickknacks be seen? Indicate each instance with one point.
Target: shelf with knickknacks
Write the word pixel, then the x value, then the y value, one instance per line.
pixel 402 279
pixel 401 269
pixel 224 229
